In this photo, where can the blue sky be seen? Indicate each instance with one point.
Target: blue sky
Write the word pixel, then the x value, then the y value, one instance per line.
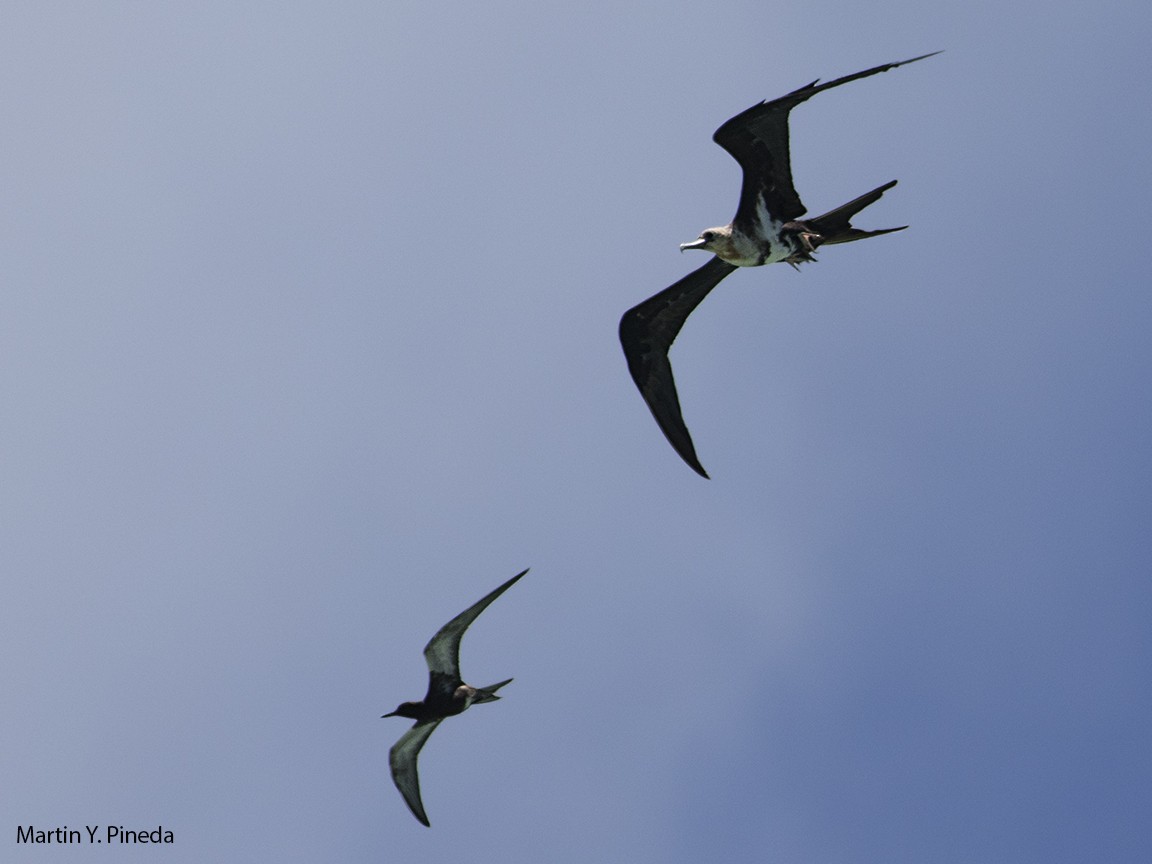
pixel 308 340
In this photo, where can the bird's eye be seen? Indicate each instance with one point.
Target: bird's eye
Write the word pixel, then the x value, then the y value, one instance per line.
pixel 708 236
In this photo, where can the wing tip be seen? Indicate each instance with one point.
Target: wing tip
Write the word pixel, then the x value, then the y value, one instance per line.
pixel 682 443
pixel 695 465
pixel 921 57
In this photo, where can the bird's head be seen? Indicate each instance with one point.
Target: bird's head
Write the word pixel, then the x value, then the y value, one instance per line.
pixel 710 240
pixel 413 710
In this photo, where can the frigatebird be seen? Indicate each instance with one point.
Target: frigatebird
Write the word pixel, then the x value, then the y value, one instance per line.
pixel 447 695
pixel 766 229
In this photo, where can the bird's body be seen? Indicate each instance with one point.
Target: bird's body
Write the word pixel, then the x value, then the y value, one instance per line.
pixel 766 229
pixel 755 242
pixel 447 696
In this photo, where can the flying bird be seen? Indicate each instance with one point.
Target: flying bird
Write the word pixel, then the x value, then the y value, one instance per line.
pixel 447 695
pixel 766 229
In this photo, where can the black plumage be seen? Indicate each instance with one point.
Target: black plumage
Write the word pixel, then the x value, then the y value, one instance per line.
pixel 447 696
pixel 766 229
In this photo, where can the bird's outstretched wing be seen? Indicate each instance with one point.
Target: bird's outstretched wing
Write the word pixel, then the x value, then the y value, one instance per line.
pixel 442 652
pixel 402 760
pixel 647 332
pixel 758 140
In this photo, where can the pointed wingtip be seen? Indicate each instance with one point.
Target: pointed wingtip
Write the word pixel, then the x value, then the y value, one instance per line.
pixel 682 444
pixel 681 441
pixel 921 57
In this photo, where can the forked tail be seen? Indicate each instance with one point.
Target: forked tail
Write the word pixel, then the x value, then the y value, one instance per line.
pixel 835 225
pixel 488 694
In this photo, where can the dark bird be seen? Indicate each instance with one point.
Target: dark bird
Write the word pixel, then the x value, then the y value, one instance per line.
pixel 766 229
pixel 447 695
